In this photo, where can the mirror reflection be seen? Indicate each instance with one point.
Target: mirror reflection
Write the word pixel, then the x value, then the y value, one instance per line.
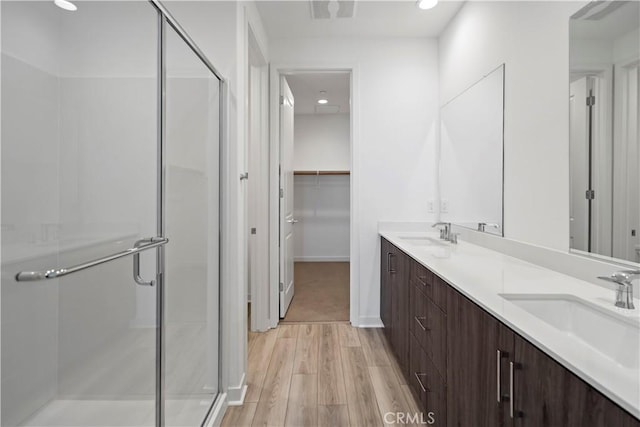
pixel 471 155
pixel 604 116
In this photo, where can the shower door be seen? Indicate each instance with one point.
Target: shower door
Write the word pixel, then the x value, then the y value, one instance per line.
pixel 110 201
pixel 191 314
pixel 79 184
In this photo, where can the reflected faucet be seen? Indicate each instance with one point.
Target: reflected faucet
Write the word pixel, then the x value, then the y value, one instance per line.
pixel 445 231
pixel 624 292
pixel 483 225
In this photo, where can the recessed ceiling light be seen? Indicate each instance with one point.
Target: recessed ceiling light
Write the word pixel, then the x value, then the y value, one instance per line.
pixel 427 4
pixel 66 5
pixel 323 97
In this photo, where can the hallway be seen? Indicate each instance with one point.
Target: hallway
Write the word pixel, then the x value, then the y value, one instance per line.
pixel 329 374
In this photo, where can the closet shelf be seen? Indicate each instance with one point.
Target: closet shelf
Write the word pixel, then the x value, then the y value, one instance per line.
pixel 317 173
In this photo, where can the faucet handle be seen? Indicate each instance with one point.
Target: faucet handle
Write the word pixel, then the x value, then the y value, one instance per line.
pixel 615 279
pixel 631 274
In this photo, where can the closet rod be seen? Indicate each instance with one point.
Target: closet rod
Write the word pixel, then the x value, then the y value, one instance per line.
pixel 314 173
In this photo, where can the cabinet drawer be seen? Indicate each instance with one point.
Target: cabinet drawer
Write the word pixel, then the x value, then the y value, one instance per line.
pixel 422 276
pixel 429 327
pixel 427 385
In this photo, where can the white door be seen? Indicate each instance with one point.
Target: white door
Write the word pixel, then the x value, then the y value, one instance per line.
pixel 579 147
pixel 287 221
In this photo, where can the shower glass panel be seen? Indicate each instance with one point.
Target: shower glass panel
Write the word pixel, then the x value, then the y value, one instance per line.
pixel 192 226
pixel 79 149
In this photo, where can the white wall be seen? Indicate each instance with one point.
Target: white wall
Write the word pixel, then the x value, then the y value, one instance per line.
pixel 531 38
pixel 322 142
pixel 394 129
pixel 321 203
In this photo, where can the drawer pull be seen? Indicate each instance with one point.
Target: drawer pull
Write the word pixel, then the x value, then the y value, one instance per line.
pixel 424 389
pixel 389 269
pixel 512 396
pixel 418 319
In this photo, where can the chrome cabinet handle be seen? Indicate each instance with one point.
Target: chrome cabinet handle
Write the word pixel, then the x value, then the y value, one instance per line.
pixel 136 264
pixel 499 356
pixel 424 389
pixel 424 328
pixel 292 221
pixel 389 269
pixel 511 394
pixel 32 276
pixel 498 360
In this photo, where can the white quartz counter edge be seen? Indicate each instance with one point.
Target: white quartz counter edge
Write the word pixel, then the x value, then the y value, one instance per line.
pixel 482 275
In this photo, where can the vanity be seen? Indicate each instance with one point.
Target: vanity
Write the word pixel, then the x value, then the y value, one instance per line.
pixel 478 348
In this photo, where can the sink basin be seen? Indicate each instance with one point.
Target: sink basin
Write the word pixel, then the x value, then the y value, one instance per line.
pixel 606 332
pixel 421 240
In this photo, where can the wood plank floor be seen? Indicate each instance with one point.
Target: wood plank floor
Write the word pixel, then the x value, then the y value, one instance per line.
pixel 321 374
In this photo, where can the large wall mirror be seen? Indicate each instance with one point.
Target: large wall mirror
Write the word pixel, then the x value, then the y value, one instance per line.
pixel 471 155
pixel 604 124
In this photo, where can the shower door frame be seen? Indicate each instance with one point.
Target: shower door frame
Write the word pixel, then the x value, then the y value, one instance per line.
pixel 165 18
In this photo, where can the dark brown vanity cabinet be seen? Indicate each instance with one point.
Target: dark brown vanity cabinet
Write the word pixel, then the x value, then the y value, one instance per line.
pixel 546 394
pixel 468 369
pixel 495 377
pixel 394 300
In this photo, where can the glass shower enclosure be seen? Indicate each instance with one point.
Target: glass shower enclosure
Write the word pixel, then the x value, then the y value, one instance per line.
pixel 110 217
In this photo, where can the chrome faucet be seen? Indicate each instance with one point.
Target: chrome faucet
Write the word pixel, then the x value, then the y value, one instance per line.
pixel 483 225
pixel 445 231
pixel 624 292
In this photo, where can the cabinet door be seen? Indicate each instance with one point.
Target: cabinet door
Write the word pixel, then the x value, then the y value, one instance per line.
pixel 549 395
pixel 385 286
pixel 400 307
pixel 472 341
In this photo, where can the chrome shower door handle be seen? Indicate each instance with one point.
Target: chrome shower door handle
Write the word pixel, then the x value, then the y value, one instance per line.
pixel 136 264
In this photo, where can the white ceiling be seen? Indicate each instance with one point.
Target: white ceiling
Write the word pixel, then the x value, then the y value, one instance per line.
pixel 372 18
pixel 610 27
pixel 306 88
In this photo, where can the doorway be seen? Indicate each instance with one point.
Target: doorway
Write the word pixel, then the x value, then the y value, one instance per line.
pixel 315 184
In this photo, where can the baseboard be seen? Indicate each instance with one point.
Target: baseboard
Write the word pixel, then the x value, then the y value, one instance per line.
pixel 235 395
pixel 370 322
pixel 217 412
pixel 321 259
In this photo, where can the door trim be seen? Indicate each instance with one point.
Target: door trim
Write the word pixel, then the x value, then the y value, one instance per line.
pixel 276 71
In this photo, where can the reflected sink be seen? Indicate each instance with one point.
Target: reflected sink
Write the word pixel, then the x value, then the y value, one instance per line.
pixel 421 240
pixel 614 336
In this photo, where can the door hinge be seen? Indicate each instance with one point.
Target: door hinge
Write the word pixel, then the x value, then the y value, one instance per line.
pixel 591 100
pixel 281 193
pixel 590 194
pixel 281 100
pixel 281 286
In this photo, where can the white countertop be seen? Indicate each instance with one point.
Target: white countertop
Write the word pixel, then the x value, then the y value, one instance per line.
pixel 483 275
